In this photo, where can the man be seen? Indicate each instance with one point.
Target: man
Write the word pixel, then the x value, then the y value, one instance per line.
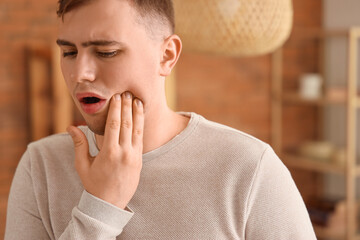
pixel 141 170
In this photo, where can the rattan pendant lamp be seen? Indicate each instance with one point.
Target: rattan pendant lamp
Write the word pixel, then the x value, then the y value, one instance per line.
pixel 233 27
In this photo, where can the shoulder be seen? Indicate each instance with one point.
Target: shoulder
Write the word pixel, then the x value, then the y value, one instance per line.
pixel 55 139
pixel 50 142
pixel 56 142
pixel 52 149
pixel 230 139
pixel 238 152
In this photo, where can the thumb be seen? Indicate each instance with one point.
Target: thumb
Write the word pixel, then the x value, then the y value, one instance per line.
pixel 81 146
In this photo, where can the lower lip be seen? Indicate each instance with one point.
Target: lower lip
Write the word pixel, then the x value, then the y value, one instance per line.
pixel 93 107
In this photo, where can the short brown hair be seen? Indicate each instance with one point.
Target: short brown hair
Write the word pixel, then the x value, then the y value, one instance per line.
pixel 162 10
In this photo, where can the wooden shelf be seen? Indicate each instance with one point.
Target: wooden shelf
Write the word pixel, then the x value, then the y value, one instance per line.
pixel 296 161
pixel 350 170
pixel 300 162
pixel 296 98
pixel 357 236
pixel 323 233
pixel 303 34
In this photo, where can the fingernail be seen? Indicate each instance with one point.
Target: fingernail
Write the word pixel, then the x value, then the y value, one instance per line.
pixel 127 95
pixel 138 102
pixel 117 97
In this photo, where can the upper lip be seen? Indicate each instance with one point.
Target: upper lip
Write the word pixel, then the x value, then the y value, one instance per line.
pixel 81 96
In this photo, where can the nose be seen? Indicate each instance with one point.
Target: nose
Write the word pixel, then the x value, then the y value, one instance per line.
pixel 84 69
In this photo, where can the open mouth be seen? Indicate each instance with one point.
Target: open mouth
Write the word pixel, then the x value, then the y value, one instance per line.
pixel 91 103
pixel 90 100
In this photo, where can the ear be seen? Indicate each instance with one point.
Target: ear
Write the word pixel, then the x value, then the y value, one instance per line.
pixel 170 54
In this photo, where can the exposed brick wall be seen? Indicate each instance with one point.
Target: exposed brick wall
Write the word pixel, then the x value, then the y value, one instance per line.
pixel 300 122
pixel 236 91
pixel 21 22
pixel 232 91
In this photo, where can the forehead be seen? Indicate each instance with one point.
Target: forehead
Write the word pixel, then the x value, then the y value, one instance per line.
pixel 99 18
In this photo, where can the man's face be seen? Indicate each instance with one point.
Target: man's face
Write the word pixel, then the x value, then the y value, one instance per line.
pixel 105 51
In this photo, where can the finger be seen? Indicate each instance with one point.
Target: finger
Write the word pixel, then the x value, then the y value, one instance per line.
pixel 126 119
pixel 138 121
pixel 82 161
pixel 112 128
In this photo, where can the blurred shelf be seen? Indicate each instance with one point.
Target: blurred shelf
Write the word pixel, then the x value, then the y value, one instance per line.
pixel 350 170
pixel 324 233
pixel 300 162
pixel 296 161
pixel 357 236
pixel 301 34
pixel 356 32
pixel 294 97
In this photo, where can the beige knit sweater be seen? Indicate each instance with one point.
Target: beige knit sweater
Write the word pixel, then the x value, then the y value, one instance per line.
pixel 209 182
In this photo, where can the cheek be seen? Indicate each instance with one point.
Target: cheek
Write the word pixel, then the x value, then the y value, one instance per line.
pixel 66 72
pixel 134 76
pixel 116 76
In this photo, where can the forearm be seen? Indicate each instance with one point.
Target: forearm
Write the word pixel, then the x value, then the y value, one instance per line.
pixel 30 215
pixel 91 219
pixel 95 219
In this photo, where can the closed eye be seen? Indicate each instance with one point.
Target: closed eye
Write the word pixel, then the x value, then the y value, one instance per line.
pixel 69 54
pixel 107 54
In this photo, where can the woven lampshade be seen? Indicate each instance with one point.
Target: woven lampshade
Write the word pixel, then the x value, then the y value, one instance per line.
pixel 233 27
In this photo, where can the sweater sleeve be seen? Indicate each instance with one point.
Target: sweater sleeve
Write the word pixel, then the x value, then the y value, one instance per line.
pixel 23 219
pixel 275 208
pixel 92 218
pixel 95 219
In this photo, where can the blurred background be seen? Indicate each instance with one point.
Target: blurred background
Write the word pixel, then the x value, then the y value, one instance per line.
pixel 300 98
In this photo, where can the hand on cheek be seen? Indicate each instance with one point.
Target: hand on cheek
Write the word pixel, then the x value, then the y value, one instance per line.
pixel 114 174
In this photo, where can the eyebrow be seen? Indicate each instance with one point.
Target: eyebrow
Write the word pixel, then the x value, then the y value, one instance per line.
pixel 62 42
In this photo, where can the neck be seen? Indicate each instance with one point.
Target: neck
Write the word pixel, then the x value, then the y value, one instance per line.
pixel 161 125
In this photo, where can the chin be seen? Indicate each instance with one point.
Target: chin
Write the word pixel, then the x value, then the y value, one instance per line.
pixel 97 125
pixel 98 130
